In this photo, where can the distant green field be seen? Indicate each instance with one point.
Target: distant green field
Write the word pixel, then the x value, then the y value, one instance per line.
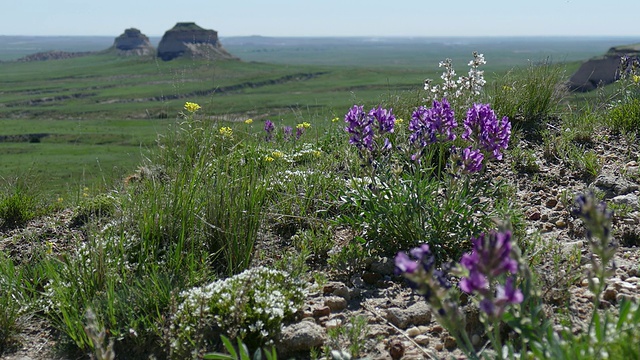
pixel 100 113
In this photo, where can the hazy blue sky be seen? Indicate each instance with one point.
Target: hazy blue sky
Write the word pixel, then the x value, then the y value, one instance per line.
pixel 325 17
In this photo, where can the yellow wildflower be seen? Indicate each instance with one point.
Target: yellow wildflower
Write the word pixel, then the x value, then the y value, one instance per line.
pixel 277 154
pixel 304 125
pixel 248 121
pixel 317 153
pixel 399 121
pixel 636 78
pixel 335 119
pixel 226 131
pixel 268 159
pixel 191 107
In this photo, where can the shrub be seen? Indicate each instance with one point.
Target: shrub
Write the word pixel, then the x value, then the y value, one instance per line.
pixel 625 116
pixel 530 96
pixel 250 306
pixel 17 206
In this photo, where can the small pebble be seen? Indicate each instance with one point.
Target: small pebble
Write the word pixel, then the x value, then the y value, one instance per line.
pixel 561 223
pixel 413 331
pixel 439 347
pixel 422 340
pixel 450 343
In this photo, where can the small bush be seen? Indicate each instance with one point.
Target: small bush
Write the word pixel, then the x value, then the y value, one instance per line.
pixel 17 207
pixel 251 306
pixel 624 116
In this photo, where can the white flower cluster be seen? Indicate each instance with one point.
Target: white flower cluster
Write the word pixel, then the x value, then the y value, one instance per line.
pixel 253 303
pixel 465 86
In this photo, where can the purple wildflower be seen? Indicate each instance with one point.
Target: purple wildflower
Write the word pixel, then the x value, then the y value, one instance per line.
pixel 384 118
pixel 429 125
pixel 361 127
pixel 288 131
pixel 299 132
pixel 404 264
pixel 483 127
pixel 508 294
pixel 471 160
pixel 268 128
pixel 490 258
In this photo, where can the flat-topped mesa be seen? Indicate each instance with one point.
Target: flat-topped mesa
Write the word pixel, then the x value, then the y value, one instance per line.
pixel 189 39
pixel 602 70
pixel 133 43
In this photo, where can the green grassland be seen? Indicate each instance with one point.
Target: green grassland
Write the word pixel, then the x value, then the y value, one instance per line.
pixel 102 112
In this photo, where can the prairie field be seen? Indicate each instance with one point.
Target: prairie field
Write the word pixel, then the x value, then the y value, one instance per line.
pixel 318 200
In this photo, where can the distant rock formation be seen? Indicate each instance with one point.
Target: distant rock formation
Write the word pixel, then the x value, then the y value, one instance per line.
pixel 189 39
pixel 601 70
pixel 53 55
pixel 133 43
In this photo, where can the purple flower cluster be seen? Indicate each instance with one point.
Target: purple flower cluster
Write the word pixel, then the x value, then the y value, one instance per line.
pixel 288 131
pixel 269 128
pixel 429 125
pixel 483 127
pixel 419 269
pixel 471 160
pixel 490 258
pixel 362 126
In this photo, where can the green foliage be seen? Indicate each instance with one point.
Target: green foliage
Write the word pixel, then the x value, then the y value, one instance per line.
pixel 242 353
pixel 529 96
pixel 407 210
pixel 14 302
pixel 18 205
pixel 101 205
pixel 624 116
pixel 250 306
pixel 353 334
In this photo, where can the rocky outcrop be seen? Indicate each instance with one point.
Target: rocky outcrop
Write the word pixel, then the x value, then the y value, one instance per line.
pixel 601 70
pixel 133 43
pixel 189 39
pixel 53 55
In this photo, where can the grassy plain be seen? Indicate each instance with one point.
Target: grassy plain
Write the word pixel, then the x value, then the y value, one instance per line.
pixel 102 111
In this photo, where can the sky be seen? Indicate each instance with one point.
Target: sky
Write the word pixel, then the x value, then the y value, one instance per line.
pixel 319 18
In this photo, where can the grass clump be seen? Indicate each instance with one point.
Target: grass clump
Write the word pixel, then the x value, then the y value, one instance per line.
pixel 18 205
pixel 530 96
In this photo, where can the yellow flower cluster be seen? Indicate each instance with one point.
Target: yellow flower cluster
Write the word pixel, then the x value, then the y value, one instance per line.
pixel 226 131
pixel 304 125
pixel 335 119
pixel 636 79
pixel 191 107
pixel 268 159
pixel 399 121
pixel 277 154
pixel 248 121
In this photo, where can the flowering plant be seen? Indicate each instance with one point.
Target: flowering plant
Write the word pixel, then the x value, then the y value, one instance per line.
pixel 492 256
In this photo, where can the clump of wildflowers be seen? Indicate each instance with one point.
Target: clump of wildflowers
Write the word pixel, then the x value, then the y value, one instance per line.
pixel 463 90
pixel 191 107
pixel 362 127
pixel 269 128
pixel 483 127
pixel 288 132
pixel 429 125
pixel 489 259
pixel 301 128
pixel 419 269
pixel 226 132
pixel 251 305
pixel 248 121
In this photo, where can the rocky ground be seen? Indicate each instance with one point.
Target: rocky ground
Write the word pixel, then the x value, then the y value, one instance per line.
pixel 397 323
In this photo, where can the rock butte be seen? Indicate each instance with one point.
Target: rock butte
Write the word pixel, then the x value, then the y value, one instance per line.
pixel 601 70
pixel 133 43
pixel 189 39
